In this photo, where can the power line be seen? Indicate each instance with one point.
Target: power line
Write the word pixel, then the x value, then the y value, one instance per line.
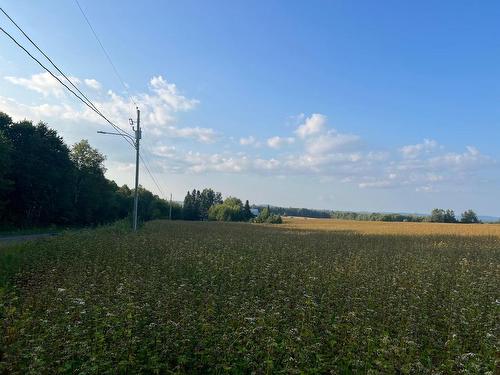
pixel 147 150
pixel 152 176
pixel 106 53
pixel 108 57
pixel 66 86
pixel 87 102
pixel 55 66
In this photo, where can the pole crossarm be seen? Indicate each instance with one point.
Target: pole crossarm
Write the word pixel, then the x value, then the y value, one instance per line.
pixel 120 134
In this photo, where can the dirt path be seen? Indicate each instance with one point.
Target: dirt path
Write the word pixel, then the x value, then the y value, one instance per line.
pixel 6 240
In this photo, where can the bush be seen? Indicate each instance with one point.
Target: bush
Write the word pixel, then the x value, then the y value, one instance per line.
pixel 230 210
pixel 265 216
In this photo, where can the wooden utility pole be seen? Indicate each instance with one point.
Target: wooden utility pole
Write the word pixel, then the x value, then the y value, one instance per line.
pixel 137 132
pixel 170 215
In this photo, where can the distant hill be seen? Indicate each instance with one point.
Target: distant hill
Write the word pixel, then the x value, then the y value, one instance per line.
pixel 489 219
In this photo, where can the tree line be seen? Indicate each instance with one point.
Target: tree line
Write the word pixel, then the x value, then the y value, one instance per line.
pixel 299 212
pixel 45 182
pixel 437 215
pixel 209 205
pixel 375 216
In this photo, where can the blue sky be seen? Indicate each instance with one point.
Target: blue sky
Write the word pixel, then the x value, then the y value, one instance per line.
pixel 383 106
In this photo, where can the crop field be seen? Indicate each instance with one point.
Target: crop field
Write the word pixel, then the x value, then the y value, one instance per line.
pixel 394 228
pixel 302 297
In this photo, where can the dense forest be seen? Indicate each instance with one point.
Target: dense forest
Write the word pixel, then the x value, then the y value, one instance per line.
pixel 45 182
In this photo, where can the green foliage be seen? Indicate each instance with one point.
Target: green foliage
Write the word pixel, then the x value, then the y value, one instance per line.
pixel 247 214
pixel 442 216
pixel 374 216
pixel 5 121
pixel 469 217
pixel 41 193
pixel 230 210
pixel 93 194
pixel 202 297
pixel 152 207
pixel 298 212
pixel 208 205
pixel 197 204
pixel 43 182
pixel 86 158
pixel 265 216
pixel 6 184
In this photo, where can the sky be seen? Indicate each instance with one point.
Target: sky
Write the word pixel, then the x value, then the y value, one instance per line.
pixel 366 106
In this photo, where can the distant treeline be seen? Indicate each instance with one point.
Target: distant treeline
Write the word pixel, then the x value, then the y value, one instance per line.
pixel 374 216
pixel 299 212
pixel 437 215
pixel 45 182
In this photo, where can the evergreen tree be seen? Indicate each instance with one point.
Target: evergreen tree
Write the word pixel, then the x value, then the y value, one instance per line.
pixel 247 214
pixel 188 209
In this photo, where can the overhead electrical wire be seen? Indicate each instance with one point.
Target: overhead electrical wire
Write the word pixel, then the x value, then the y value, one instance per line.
pixel 147 149
pixel 105 53
pixel 55 66
pixel 151 175
pixel 87 102
pixel 108 57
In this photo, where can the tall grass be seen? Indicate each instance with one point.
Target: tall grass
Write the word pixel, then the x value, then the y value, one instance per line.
pixel 203 297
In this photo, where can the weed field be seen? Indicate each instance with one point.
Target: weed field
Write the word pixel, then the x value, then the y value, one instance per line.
pixel 198 297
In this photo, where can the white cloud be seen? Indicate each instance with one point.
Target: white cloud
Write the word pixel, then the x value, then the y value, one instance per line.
pixel 314 124
pixel 165 151
pixel 43 83
pixel 19 111
pixel 92 83
pixel 413 151
pixel 332 141
pixel 432 173
pixel 376 184
pixel 471 158
pixel 266 164
pixel 169 94
pixel 248 141
pixel 204 135
pixel 317 151
pixel 158 107
pixel 277 142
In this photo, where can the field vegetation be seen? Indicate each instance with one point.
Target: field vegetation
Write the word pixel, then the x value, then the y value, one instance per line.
pixel 236 297
pixel 392 228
